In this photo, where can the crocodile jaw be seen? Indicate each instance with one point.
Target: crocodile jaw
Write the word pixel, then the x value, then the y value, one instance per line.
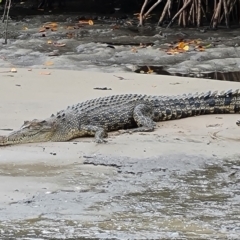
pixel 18 137
pixel 31 131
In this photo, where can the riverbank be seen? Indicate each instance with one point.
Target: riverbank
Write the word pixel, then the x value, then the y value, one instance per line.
pixel 172 183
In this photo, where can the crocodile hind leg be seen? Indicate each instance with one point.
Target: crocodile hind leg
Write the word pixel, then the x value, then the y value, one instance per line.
pixel 96 131
pixel 141 115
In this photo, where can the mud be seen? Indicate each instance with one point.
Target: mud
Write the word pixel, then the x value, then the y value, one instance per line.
pixel 115 44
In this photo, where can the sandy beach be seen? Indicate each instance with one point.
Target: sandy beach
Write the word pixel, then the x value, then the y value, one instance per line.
pixel 39 169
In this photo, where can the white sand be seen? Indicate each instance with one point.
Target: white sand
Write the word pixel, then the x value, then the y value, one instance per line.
pixel 41 95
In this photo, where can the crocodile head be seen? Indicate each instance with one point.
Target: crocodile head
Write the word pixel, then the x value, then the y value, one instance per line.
pixel 31 131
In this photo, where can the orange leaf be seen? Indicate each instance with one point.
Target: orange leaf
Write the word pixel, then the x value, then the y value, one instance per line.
pixel 192 42
pixel 181 45
pixel 115 27
pixel 70 28
pixel 83 22
pixel 142 45
pixel 134 50
pixel 200 48
pixel 90 22
pixel 149 70
pixel 53 24
pixel 137 15
pixel 48 63
pixel 180 51
pixel 53 29
pixel 172 52
pixel 42 30
pixel 186 48
pixel 70 35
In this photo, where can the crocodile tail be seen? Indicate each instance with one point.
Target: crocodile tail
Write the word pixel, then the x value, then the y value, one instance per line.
pixel 223 102
pixel 199 104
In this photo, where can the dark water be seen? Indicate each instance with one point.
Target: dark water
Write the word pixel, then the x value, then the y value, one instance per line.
pixel 233 76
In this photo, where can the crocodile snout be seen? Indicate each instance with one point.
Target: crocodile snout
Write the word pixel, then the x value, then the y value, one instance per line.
pixel 3 140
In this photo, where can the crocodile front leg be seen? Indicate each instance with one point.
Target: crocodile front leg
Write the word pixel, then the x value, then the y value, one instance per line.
pixel 96 131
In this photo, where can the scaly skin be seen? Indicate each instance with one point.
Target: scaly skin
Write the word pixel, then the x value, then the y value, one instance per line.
pixel 139 112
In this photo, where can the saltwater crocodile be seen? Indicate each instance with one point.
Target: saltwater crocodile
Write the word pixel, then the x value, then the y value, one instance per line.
pixel 139 112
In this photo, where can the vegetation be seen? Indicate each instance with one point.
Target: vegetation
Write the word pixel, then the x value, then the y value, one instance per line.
pixel 193 12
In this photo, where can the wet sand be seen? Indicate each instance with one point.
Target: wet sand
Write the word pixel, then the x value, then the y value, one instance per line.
pixel 91 190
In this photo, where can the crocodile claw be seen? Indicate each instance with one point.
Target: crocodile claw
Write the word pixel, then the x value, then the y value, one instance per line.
pixel 100 140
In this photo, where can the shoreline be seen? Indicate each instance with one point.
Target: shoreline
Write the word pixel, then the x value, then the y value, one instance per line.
pixel 53 181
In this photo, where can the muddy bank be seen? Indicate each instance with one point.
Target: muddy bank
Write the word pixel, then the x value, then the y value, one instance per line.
pixel 179 182
pixel 114 44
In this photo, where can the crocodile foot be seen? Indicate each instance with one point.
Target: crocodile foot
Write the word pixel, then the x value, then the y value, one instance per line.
pixel 238 122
